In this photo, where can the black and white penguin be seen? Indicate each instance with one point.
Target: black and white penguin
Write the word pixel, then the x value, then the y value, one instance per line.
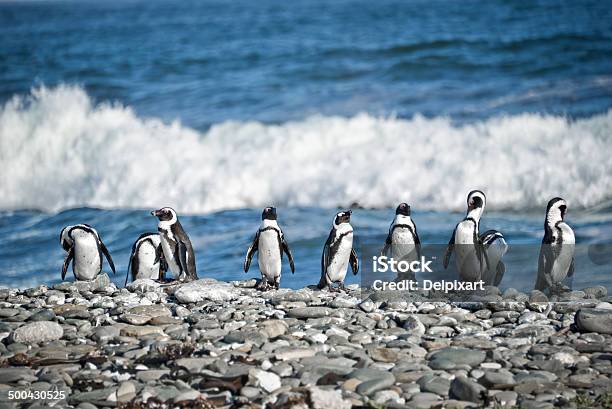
pixel 403 243
pixel 338 252
pixel 85 248
pixel 176 245
pixel 147 259
pixel 270 242
pixel 556 262
pixel 478 256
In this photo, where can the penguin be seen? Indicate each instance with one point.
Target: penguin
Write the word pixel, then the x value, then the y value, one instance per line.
pixel 403 243
pixel 176 245
pixel 556 261
pixel 85 248
pixel 478 256
pixel 270 242
pixel 147 259
pixel 338 252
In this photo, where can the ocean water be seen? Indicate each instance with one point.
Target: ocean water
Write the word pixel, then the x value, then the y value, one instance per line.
pixel 219 109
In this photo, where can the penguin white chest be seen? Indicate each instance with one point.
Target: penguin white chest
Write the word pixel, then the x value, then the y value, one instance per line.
pixel 564 247
pixel 269 258
pixel 168 244
pixel 338 264
pixel 402 244
pixel 469 265
pixel 87 262
pixel 147 266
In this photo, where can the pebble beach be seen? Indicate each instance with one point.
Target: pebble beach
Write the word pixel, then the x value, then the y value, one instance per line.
pixel 209 344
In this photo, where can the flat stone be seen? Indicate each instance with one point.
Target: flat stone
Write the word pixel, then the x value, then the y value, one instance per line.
pixel 372 380
pixel 249 391
pixel 39 331
pixel 506 398
pixel 268 381
pixel 458 356
pixel 383 354
pixel 205 289
pixel 105 333
pixel 143 285
pixel 194 365
pixel 287 354
pixel 8 312
pixel 594 320
pixel 126 392
pixel 100 397
pixel 273 328
pixel 322 365
pixel 139 331
pixel 598 291
pixel 97 284
pixel 151 374
pixel 13 375
pixel 498 379
pixel 186 396
pixel 414 326
pixel 309 312
pixel 463 388
pixel 142 314
pixel 434 384
pixel 424 400
pixel 327 399
pixel 43 315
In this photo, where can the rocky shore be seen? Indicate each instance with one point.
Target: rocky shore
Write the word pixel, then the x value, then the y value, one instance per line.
pixel 211 344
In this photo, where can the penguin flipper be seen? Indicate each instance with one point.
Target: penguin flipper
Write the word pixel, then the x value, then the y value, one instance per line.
pixel 480 250
pixel 501 270
pixel 570 271
pixel 251 251
pixel 449 249
pixel 108 256
pixel 545 263
pixel 289 255
pixel 67 261
pixel 388 243
pixel 129 270
pixel 182 257
pixel 354 262
pixel 325 259
pixel 417 242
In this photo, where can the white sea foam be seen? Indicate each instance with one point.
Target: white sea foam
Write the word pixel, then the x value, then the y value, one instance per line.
pixel 58 150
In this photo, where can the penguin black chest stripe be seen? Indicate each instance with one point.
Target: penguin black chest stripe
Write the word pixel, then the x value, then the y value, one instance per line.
pixel 403 226
pixel 170 237
pixel 336 244
pixel 278 237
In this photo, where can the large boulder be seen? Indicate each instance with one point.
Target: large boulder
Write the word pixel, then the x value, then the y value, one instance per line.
pixel 206 289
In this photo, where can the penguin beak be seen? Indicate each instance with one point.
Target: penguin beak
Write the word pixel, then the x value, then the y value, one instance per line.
pixel 155 213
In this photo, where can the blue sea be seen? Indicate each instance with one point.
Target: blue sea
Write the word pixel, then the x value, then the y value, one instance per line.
pixel 111 109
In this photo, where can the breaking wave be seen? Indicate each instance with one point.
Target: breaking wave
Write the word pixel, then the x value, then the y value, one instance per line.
pixel 59 149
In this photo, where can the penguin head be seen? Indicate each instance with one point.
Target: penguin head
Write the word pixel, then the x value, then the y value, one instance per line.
pixel 65 240
pixel 476 200
pixel 80 231
pixel 164 214
pixel 403 209
pixel 556 209
pixel 269 213
pixel 342 217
